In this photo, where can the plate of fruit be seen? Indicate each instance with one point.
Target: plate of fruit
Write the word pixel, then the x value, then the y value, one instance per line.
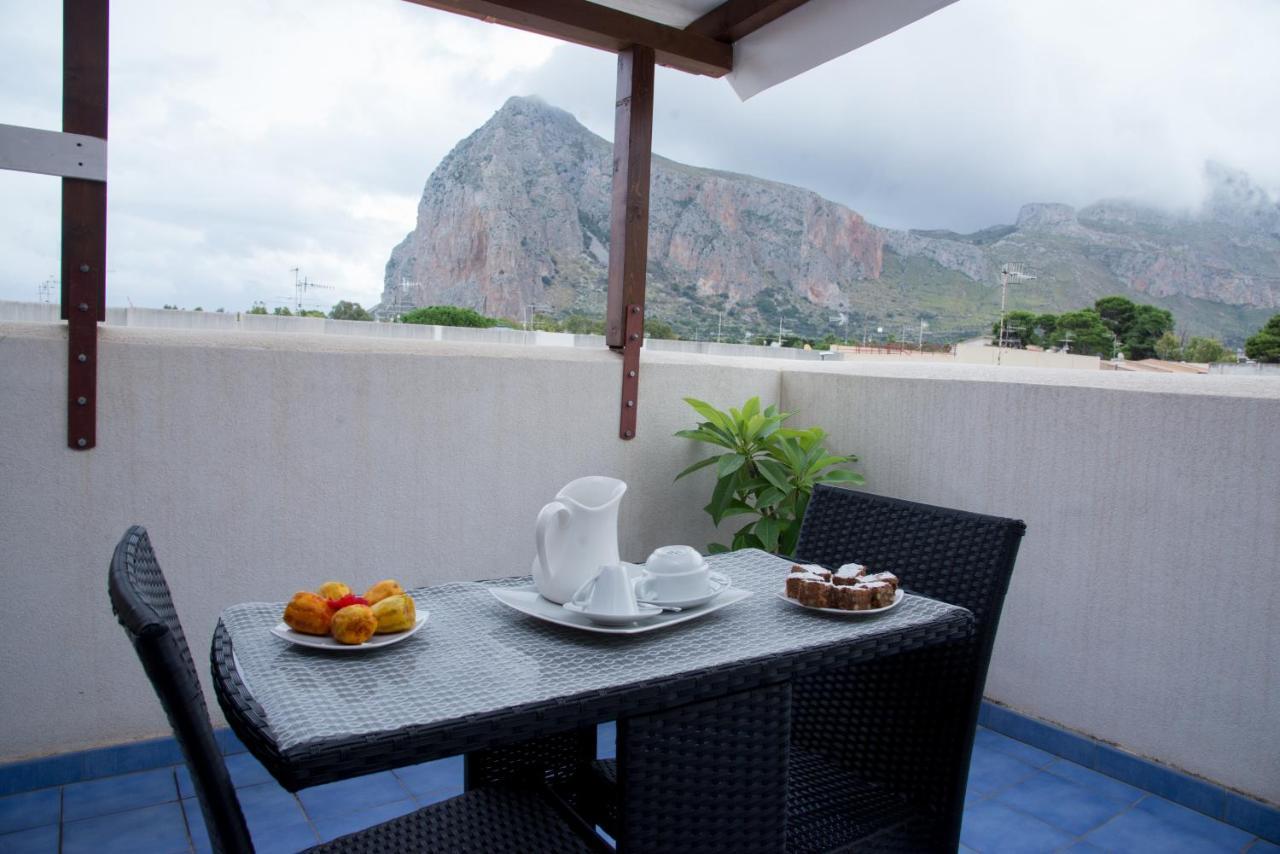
pixel 334 618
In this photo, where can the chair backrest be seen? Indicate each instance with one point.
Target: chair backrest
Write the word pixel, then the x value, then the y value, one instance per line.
pixel 141 601
pixel 962 558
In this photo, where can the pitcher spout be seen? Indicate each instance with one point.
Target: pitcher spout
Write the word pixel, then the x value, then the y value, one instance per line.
pixel 594 492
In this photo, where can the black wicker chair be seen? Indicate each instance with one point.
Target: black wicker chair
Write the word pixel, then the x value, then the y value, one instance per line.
pixel 490 819
pixel 880 752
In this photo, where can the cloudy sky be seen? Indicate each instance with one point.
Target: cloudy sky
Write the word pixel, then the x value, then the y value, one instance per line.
pixel 250 137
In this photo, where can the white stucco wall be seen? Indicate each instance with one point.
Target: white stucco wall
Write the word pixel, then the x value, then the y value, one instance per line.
pixel 263 463
pixel 1145 603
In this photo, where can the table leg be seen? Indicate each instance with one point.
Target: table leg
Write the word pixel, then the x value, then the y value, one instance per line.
pixel 708 776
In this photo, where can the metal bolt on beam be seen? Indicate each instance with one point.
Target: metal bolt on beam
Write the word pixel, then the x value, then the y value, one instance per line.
pixel 82 441
pixel 82 400
pixel 84 268
pixel 82 358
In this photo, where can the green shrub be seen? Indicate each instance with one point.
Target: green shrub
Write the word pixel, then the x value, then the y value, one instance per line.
pixel 448 315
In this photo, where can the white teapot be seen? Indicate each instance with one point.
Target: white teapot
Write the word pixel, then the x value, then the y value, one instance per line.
pixel 576 534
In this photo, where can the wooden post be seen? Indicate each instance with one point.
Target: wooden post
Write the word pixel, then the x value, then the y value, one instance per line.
pixel 84 213
pixel 629 216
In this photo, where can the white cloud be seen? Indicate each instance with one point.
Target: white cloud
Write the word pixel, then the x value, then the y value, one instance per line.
pixel 249 138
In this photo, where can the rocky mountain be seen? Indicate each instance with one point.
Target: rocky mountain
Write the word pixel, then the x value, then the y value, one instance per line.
pixel 517 215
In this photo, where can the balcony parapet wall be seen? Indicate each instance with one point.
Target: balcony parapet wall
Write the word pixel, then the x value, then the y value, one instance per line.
pixel 1141 610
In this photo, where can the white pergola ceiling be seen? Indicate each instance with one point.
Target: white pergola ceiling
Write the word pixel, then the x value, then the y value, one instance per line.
pixel 804 38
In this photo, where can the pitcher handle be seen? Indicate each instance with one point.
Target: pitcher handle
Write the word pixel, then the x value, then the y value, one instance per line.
pixel 545 515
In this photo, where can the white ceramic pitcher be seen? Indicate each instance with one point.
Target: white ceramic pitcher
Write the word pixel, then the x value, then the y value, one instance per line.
pixel 576 534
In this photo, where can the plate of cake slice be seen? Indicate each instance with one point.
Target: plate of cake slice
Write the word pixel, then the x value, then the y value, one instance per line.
pixel 849 590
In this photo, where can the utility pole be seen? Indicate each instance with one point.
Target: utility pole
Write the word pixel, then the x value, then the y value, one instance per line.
pixel 1008 271
pixel 924 324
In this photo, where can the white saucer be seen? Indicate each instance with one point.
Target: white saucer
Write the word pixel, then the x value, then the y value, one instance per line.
pixel 719 584
pixel 646 611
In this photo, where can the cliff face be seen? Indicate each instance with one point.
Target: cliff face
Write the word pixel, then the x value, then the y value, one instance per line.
pixel 518 215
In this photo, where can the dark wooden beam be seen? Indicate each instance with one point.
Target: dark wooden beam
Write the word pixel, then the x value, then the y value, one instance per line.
pixel 735 19
pixel 84 213
pixel 629 214
pixel 597 26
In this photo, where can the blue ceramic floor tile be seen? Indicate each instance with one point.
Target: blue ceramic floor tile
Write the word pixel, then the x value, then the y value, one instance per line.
pixel 1083 847
pixel 33 840
pixel 607 740
pixel 1060 803
pixel 1262 847
pixel 276 820
pixel 1100 784
pixel 331 827
pixel 155 829
pixel 246 771
pixel 117 794
pixel 1195 823
pixel 348 796
pixel 1034 756
pixel 1257 818
pixel 196 825
pixel 267 804
pixel 433 778
pixel 30 809
pixel 183 776
pixel 993 828
pixel 283 839
pixel 1139 830
pixel 1162 781
pixel 990 771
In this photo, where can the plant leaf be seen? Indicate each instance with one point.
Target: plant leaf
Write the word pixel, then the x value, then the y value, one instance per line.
pixel 709 412
pixel 769 497
pixel 720 497
pixel 728 464
pixel 841 476
pixel 699 464
pixel 767 529
pixel 716 548
pixel 775 474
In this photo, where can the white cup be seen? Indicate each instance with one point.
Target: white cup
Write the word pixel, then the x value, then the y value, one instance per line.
pixel 674 574
pixel 610 593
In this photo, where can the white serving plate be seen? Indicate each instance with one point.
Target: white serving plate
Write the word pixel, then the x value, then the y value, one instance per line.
pixel 897 599
pixel 527 601
pixel 326 642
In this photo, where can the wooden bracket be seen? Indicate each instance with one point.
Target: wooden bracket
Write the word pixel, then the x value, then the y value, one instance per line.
pixel 84 213
pixel 631 371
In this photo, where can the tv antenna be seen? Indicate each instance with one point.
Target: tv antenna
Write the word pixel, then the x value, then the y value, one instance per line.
pixel 300 286
pixel 842 319
pixel 1010 271
pixel 45 289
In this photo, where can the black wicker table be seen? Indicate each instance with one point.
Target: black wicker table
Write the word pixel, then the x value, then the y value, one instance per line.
pixel 703 708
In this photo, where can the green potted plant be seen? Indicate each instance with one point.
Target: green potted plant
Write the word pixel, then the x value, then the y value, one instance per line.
pixel 766 471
